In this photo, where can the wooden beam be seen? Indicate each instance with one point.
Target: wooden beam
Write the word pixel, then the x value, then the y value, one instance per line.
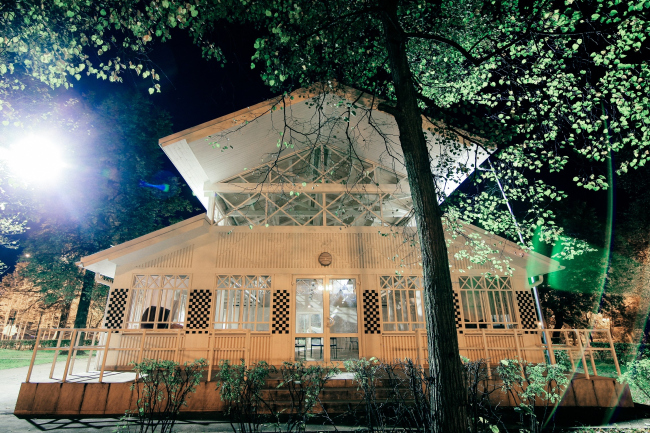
pixel 309 188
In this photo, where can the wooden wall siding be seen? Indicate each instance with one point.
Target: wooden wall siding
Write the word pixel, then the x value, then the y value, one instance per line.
pixel 301 250
pixel 177 259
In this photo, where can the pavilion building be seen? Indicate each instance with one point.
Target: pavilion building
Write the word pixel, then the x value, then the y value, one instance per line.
pixel 307 249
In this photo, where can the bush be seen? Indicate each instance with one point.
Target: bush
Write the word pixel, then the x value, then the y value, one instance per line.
pixel 482 416
pixel 637 376
pixel 241 389
pixel 249 408
pixel 304 384
pixel 525 382
pixel 166 386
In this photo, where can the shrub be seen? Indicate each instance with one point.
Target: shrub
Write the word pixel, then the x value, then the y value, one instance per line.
pixel 166 387
pixel 304 384
pixel 637 376
pixel 526 382
pixel 482 416
pixel 240 388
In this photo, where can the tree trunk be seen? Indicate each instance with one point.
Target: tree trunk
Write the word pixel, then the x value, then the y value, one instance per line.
pixel 65 313
pixel 448 390
pixel 84 299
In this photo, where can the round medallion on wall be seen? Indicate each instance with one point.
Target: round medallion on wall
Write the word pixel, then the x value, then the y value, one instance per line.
pixel 325 259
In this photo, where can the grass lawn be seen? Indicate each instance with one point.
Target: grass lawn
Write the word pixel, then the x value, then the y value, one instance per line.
pixel 10 358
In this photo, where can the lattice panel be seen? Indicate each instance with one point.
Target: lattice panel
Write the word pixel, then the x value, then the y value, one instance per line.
pixel 115 311
pixel 198 316
pixel 527 313
pixel 280 323
pixel 371 322
pixel 459 320
pixel 283 205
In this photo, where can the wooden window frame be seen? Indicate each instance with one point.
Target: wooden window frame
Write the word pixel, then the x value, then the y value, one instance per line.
pixel 240 315
pixel 144 287
pixel 487 303
pixel 397 292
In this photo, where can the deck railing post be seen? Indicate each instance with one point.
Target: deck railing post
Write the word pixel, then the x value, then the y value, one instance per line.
pixel 104 355
pixel 90 352
pixel 549 347
pixel 247 349
pixel 70 350
pixel 56 352
pixel 613 351
pixel 178 346
pixel 588 347
pixel 80 334
pixel 140 355
pixel 210 355
pixel 31 363
pixel 487 354
pixel 418 337
pixel 517 345
pixel 582 354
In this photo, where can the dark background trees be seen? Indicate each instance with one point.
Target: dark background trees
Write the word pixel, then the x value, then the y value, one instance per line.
pixel 102 201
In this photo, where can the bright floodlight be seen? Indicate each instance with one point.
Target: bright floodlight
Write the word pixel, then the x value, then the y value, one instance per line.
pixel 35 159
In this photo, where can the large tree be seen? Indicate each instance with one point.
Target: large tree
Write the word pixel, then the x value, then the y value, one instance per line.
pixel 536 83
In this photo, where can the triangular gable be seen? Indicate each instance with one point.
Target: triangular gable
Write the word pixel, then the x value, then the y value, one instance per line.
pixel 222 148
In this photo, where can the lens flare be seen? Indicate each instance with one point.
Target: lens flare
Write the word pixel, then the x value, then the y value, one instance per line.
pixel 34 159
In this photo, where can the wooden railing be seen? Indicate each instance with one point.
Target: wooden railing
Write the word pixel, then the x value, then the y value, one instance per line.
pixel 495 345
pixel 111 350
pixel 116 350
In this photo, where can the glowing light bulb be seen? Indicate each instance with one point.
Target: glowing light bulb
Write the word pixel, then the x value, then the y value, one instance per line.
pixel 34 159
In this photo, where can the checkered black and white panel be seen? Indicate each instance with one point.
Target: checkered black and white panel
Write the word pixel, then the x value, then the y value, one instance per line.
pixel 280 324
pixel 115 311
pixel 459 320
pixel 527 313
pixel 371 323
pixel 198 312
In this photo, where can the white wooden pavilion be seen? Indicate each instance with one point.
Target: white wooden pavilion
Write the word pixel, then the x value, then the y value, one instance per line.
pixel 304 251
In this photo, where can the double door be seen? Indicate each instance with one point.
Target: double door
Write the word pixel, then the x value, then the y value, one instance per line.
pixel 326 321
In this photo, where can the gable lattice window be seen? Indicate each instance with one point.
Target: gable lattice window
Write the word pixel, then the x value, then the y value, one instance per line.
pixel 320 186
pixel 243 302
pixel 158 301
pixel 402 303
pixel 487 303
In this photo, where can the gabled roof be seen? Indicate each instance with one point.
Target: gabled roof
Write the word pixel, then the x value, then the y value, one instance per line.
pixel 105 262
pixel 224 147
